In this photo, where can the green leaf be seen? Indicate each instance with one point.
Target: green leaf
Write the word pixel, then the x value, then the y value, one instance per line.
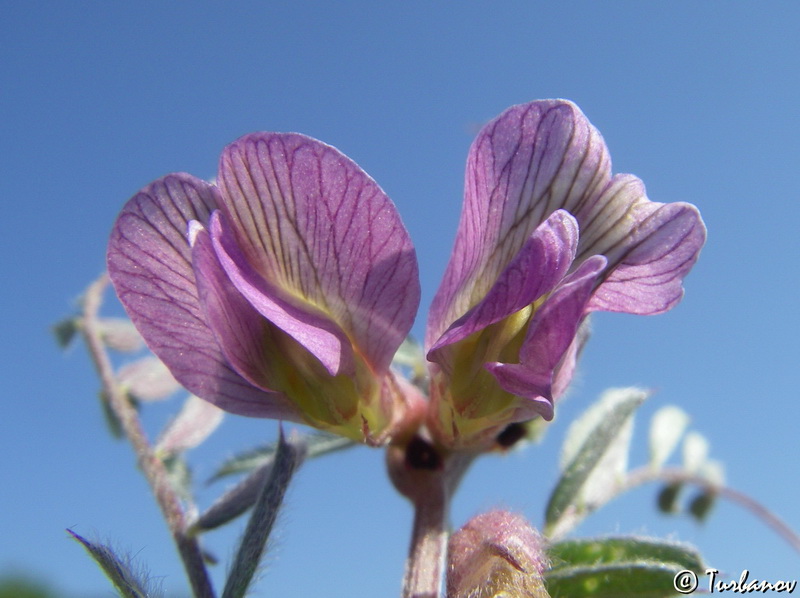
pixel 613 580
pixel 667 500
pixel 129 584
pixel 409 354
pixel 112 421
pixel 666 428
pixel 591 551
pixel 22 585
pixel 701 505
pixel 288 457
pixel 179 475
pixel 615 567
pixel 410 360
pixel 235 501
pixel 65 331
pixel 318 443
pixel 603 430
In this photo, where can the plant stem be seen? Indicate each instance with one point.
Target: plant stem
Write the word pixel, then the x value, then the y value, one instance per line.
pixel 151 466
pixel 425 565
pixel 645 475
pixel 428 476
pixel 676 475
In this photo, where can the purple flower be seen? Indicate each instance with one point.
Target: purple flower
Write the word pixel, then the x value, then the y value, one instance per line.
pixel 285 289
pixel 282 291
pixel 547 235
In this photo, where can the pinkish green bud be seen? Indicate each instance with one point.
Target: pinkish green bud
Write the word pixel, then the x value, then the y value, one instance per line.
pixel 496 554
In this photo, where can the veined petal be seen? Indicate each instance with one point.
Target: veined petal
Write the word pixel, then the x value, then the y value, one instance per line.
pixel 540 264
pixel 149 262
pixel 650 247
pixel 239 329
pixel 647 274
pixel 527 163
pixel 549 338
pixel 562 377
pixel 555 324
pixel 308 325
pixel 312 223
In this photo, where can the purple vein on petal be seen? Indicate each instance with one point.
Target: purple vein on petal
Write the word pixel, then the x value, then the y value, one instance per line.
pixel 535 270
pixel 239 329
pixel 150 265
pixel 550 336
pixel 530 161
pixel 647 276
pixel 306 324
pixel 313 224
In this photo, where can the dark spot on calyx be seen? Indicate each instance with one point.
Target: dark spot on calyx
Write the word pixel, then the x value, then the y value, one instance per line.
pixel 420 454
pixel 512 434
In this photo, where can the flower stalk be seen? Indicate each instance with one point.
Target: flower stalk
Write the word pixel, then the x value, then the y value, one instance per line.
pixel 152 467
pixel 425 566
pixel 428 476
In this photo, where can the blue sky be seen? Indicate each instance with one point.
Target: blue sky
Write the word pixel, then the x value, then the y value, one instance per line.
pixel 698 99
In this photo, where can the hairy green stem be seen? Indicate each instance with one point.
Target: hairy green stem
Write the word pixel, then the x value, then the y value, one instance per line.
pixel 152 467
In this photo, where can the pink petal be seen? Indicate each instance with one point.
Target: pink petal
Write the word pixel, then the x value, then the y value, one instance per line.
pixel 312 223
pixel 647 275
pixel 550 336
pixel 307 325
pixel 540 264
pixel 527 163
pixel 149 262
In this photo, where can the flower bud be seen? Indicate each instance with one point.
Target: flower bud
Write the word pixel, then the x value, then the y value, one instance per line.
pixel 496 554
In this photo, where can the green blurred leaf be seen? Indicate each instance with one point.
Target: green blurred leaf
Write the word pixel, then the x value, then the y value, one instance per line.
pixel 17 585
pixel 603 430
pixel 591 551
pixel 235 501
pixel 65 331
pixel 613 580
pixel 667 499
pixel 129 584
pixel 180 476
pixel 258 464
pixel 701 505
pixel 288 457
pixel 615 567
pixel 410 361
pixel 666 429
pixel 112 421
pixel 409 354
pixel 318 443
